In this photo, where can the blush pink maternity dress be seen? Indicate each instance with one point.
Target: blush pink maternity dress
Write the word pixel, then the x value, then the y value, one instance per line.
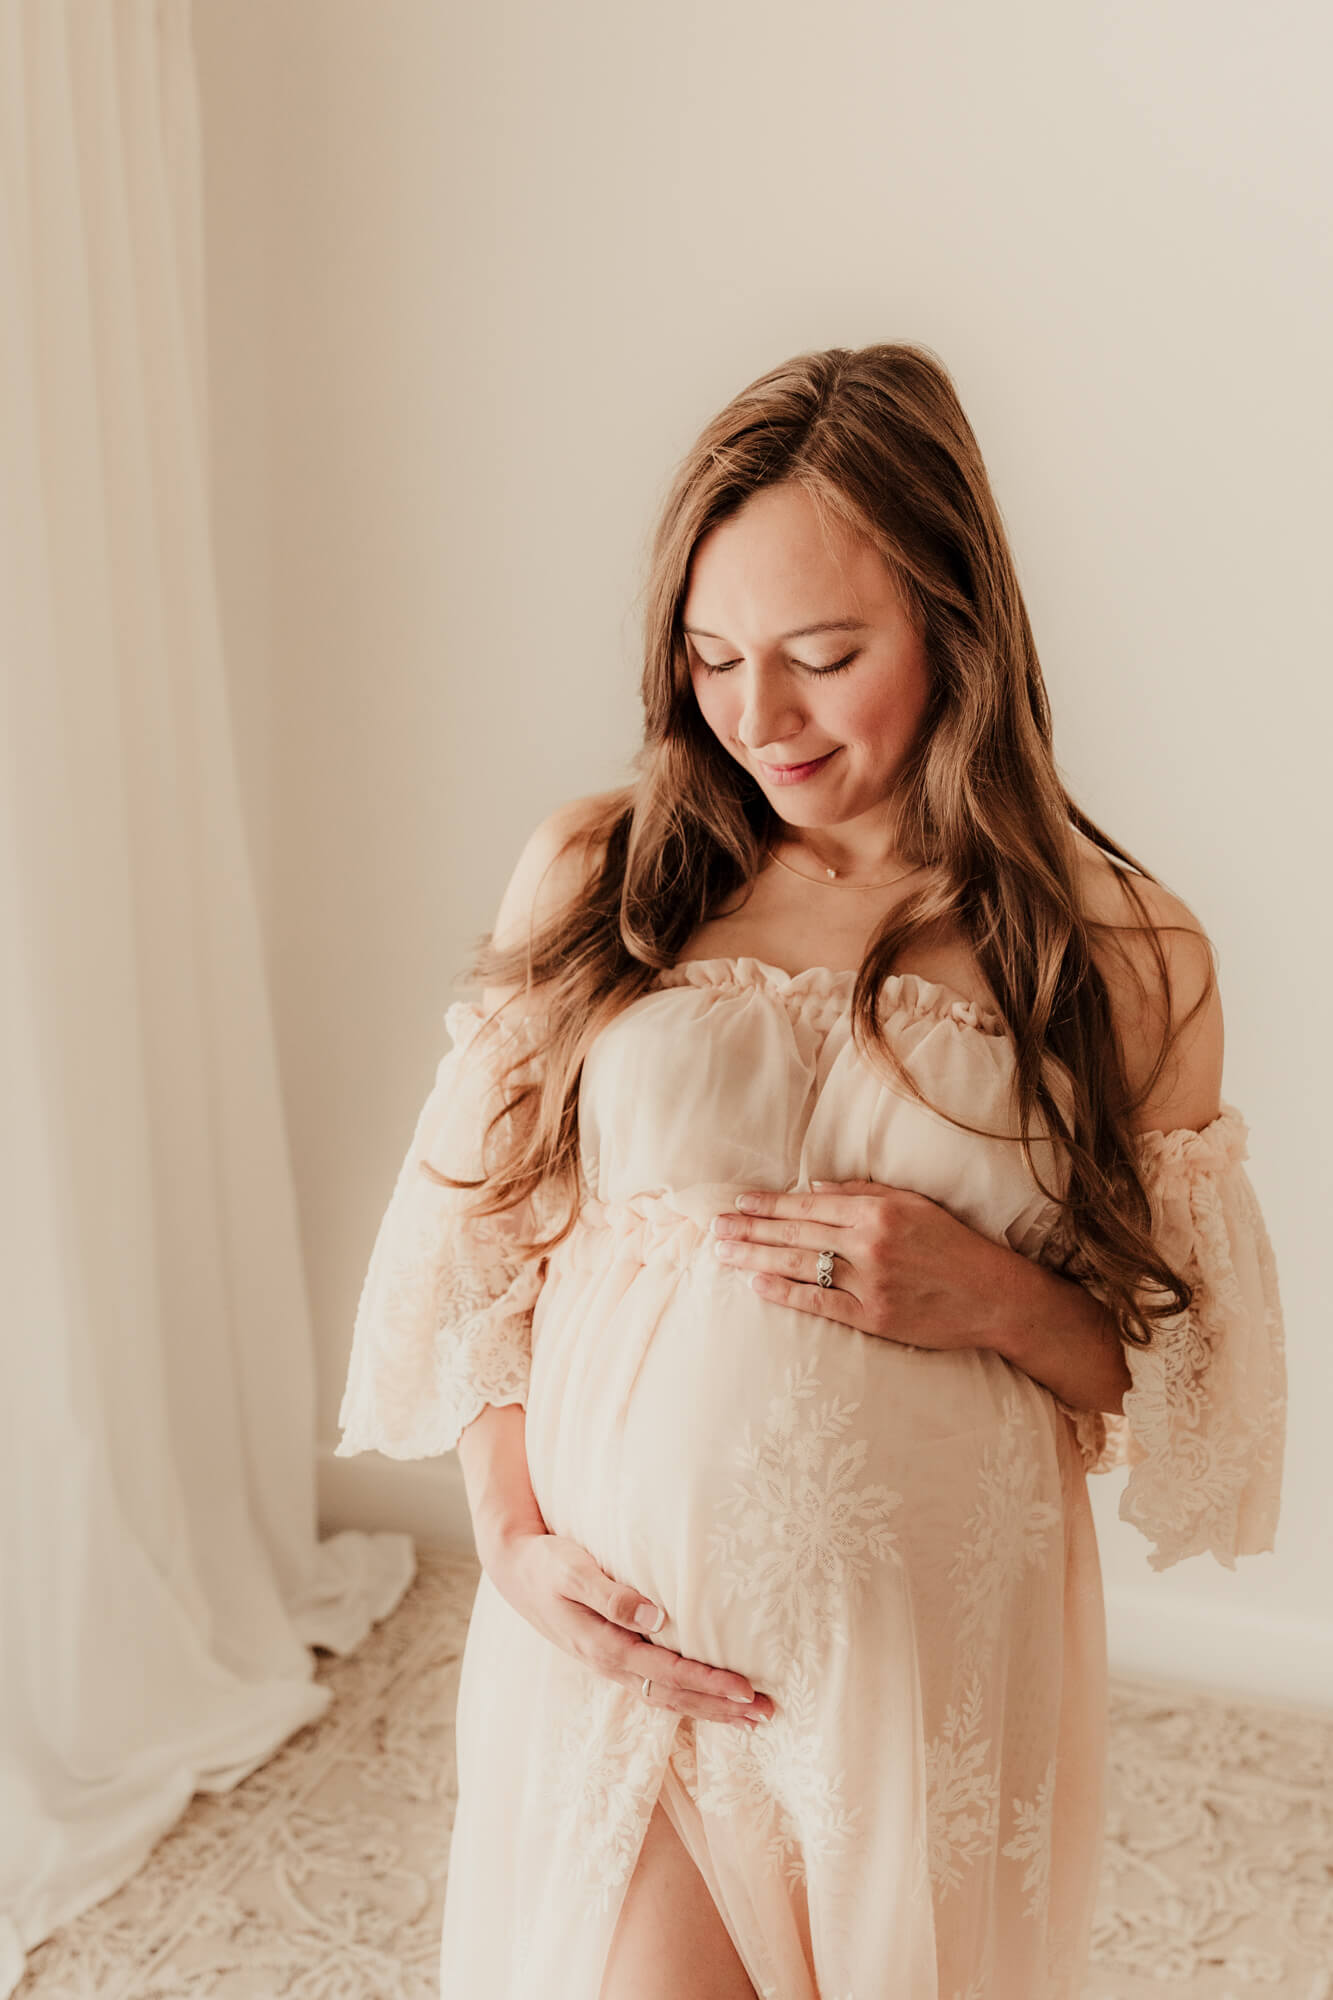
pixel 894 1542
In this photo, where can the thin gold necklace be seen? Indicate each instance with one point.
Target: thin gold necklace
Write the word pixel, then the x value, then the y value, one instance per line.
pixel 832 875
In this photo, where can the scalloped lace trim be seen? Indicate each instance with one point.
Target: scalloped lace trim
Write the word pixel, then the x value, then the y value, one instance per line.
pixel 444 1322
pixel 1203 1426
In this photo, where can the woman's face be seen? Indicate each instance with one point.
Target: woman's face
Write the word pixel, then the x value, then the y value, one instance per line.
pixel 758 582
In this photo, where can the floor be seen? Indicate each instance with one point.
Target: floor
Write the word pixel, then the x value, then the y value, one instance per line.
pixel 322 1876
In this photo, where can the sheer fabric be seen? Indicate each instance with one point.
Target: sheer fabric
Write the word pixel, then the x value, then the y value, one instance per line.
pixel 163 1580
pixel 1203 1426
pixel 894 1542
pixel 444 1322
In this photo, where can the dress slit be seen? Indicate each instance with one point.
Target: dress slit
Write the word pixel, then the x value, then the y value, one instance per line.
pixel 772 1941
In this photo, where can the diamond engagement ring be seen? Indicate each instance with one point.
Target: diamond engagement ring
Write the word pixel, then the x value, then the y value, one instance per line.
pixel 824 1268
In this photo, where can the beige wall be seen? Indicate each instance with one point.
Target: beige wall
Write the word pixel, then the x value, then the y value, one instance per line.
pixel 477 274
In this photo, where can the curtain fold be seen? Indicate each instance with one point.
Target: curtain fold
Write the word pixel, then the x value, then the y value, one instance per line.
pixel 161 1576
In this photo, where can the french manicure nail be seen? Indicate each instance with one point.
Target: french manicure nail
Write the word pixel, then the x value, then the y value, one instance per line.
pixel 650 1618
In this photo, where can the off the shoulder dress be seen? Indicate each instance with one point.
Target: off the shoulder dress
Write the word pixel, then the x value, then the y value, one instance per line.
pixel 894 1542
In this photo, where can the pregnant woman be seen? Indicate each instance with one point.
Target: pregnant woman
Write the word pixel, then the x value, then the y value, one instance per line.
pixel 833 1172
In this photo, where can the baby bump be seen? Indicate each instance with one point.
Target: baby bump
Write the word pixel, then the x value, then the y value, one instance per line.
pixel 794 1492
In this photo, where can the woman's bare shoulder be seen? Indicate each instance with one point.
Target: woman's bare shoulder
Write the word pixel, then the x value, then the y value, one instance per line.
pixel 1112 896
pixel 556 862
pixel 1128 910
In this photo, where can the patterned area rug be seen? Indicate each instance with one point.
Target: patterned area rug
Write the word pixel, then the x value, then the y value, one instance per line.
pixel 322 1876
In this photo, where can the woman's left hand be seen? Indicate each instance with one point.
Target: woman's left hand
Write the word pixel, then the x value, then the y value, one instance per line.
pixel 904 1268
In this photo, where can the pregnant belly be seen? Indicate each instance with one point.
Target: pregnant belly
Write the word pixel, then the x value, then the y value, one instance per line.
pixel 789 1489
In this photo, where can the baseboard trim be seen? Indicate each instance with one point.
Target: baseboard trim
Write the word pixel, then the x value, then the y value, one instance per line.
pixel 1159 1635
pixel 424 1497
pixel 1152 1633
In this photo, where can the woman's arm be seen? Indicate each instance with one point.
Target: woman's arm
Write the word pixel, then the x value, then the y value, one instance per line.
pixel 551 870
pixel 1050 1326
pixel 1056 1332
pixel 494 1459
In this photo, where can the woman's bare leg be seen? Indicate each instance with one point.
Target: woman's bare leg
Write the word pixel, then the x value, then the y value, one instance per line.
pixel 670 1941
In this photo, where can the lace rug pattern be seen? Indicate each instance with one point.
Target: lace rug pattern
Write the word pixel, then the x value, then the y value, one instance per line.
pixel 322 1875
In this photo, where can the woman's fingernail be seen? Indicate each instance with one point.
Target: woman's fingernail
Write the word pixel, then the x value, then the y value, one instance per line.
pixel 650 1618
pixel 747 1201
pixel 741 1697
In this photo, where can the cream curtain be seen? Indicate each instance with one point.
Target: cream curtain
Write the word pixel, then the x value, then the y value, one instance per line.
pixel 162 1579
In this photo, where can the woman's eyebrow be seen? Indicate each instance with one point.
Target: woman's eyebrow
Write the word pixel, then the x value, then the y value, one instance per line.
pixel 801 632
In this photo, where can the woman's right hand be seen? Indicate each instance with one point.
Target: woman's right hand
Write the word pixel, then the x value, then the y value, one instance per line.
pixel 556 1585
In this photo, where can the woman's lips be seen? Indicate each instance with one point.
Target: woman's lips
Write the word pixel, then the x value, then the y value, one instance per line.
pixel 792 774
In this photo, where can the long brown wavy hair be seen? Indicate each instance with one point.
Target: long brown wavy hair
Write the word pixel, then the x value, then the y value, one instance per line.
pixel 878 438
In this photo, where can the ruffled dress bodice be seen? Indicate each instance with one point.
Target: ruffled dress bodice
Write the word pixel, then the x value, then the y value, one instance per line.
pixel 731 1073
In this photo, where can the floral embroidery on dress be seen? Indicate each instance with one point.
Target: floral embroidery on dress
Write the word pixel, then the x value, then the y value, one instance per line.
pixel 1032 1843
pixel 962 1796
pixel 780 1778
pixel 488 1356
pixel 604 1766
pixel 1007 1532
pixel 733 1778
pixel 1203 1426
pixel 801 1537
pixel 443 1325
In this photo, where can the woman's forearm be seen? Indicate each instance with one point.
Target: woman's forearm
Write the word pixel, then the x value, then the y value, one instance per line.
pixel 1058 1333
pixel 494 1459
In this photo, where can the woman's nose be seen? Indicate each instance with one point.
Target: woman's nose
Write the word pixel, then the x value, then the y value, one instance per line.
pixel 768 712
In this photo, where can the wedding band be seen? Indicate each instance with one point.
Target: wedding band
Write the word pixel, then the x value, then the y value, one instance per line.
pixel 824 1268
pixel 646 1685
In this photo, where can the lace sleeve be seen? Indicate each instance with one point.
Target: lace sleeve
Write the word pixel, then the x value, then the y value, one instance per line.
pixel 444 1322
pixel 1204 1422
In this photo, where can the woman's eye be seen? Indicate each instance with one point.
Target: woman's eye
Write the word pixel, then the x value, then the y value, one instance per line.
pixel 838 667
